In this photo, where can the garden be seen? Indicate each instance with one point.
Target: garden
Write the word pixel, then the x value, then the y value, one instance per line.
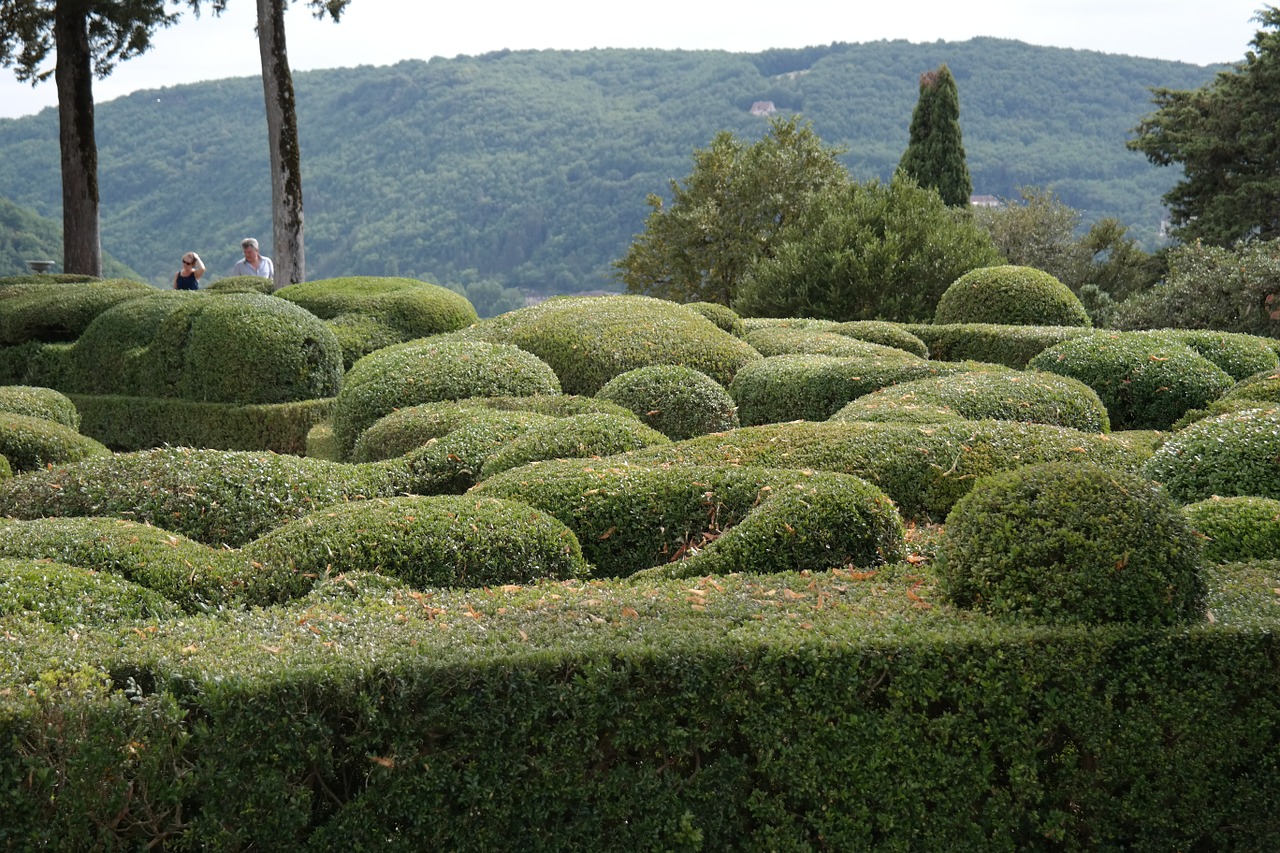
pixel 344 567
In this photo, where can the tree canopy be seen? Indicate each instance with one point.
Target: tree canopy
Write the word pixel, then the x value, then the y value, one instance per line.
pixel 1226 137
pixel 935 154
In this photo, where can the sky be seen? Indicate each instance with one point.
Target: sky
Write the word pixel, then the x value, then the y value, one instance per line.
pixel 383 32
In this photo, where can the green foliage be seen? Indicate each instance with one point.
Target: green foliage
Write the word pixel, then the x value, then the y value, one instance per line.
pixel 1237 453
pixel 39 403
pixel 30 443
pixel 815 387
pixel 430 370
pixel 1011 346
pixel 241 284
pixel 1207 287
pixel 882 332
pixel 816 338
pixel 454 463
pixel 722 315
pixel 631 517
pixel 1263 386
pixel 729 211
pixel 1032 397
pixel 70 596
pixel 1010 295
pixel 679 402
pixel 27 236
pixel 589 340
pixel 1236 529
pixel 1241 356
pixel 934 158
pixel 868 251
pixel 1145 381
pixel 1224 137
pixel 59 310
pixel 1071 542
pixel 425 542
pixel 576 437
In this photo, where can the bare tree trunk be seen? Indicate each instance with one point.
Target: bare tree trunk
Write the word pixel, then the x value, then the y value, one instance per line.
pixel 81 239
pixel 282 133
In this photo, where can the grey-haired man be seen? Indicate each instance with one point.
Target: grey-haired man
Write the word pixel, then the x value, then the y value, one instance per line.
pixel 254 263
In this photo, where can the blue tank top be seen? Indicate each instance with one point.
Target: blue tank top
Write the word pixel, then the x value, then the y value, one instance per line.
pixel 188 282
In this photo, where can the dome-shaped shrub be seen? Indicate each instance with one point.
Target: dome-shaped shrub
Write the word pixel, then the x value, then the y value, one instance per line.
pixel 1237 453
pixel 1013 295
pixel 60 310
pixel 883 332
pixel 722 315
pixel 1072 542
pixel 70 596
pixel 430 370
pixel 39 403
pixel 240 284
pixel 1237 529
pixel 1263 387
pixel 575 437
pixel 1239 355
pixel 588 340
pixel 874 408
pixel 992 343
pixel 32 443
pixel 424 542
pixel 678 402
pixel 782 340
pixel 1029 396
pixel 241 348
pixel 1145 381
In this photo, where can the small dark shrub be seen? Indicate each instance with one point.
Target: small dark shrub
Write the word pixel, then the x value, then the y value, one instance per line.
pixel 1011 295
pixel 678 402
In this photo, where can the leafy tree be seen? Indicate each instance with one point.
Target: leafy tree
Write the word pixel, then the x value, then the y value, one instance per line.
pixel 865 252
pixel 1226 136
pixel 88 37
pixel 935 154
pixel 728 212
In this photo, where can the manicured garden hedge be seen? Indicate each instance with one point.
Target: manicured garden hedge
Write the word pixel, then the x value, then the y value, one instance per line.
pixel 1012 346
pixel 574 437
pixel 32 443
pixel 39 403
pixel 1010 295
pixel 1237 453
pixel 59 310
pixel 677 401
pixel 1237 529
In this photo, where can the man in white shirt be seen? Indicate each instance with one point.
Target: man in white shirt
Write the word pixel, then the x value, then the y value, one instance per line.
pixel 254 263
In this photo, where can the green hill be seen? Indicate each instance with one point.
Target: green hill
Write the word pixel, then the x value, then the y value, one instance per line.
pixel 532 167
pixel 27 236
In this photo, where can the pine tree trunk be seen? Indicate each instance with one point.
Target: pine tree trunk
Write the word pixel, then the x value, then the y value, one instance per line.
pixel 73 74
pixel 282 133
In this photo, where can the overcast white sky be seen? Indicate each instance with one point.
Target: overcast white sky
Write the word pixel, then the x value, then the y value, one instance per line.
pixel 382 32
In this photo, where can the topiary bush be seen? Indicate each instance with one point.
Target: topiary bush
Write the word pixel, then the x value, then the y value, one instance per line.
pixel 574 437
pixel 1237 453
pixel 589 340
pixel 815 387
pixel 43 403
pixel 56 310
pixel 1011 346
pixel 782 340
pixel 875 408
pixel 722 315
pixel 361 334
pixel 1072 543
pixel 241 284
pixel 424 542
pixel 69 596
pixel 1010 295
pixel 1030 396
pixel 883 332
pixel 32 443
pixel 1145 381
pixel 1237 529
pixel 1239 355
pixel 677 401
pixel 431 370
pixel 1263 387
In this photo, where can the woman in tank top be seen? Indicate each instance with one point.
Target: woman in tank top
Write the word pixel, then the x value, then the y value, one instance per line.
pixel 188 278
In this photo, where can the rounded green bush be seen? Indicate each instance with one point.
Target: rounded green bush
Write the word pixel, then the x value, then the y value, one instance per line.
pixel 1240 355
pixel 60 310
pixel 431 370
pixel 361 334
pixel 1237 453
pixel 886 333
pixel 1011 346
pixel 588 340
pixel 449 541
pixel 6 470
pixel 1145 381
pixel 1263 387
pixel 1237 529
pixel 874 408
pixel 722 315
pixel 32 443
pixel 70 596
pixel 574 437
pixel 1030 396
pixel 241 284
pixel 1072 543
pixel 782 340
pixel 815 387
pixel 1012 295
pixel 677 401
pixel 240 348
pixel 40 403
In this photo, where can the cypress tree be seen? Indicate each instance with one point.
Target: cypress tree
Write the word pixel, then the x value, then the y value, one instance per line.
pixel 935 154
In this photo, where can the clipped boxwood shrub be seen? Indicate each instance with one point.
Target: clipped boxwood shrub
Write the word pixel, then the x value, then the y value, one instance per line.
pixel 70 596
pixel 875 408
pixel 1145 381
pixel 361 334
pixel 574 437
pixel 722 315
pixel 815 387
pixel 1237 453
pixel 1031 396
pixel 1071 542
pixel 40 403
pixel 781 340
pixel 1011 295
pixel 1263 387
pixel 1237 529
pixel 32 443
pixel 431 370
pixel 60 310
pixel 424 542
pixel 242 348
pixel 1239 355
pixel 588 340
pixel 1011 346
pixel 677 401
pixel 241 284
pixel 453 463
pixel 883 332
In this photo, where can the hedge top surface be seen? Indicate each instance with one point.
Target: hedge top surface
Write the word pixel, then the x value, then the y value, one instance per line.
pixel 1237 453
pixel 60 310
pixel 1012 295
pixel 780 340
pixel 677 401
pixel 1263 387
pixel 31 443
pixel 39 403
pixel 414 308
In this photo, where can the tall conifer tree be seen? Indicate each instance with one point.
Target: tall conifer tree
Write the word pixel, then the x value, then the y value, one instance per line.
pixel 935 154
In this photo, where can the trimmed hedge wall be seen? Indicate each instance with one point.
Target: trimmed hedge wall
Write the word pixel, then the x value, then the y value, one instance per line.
pixel 1237 529
pixel 677 401
pixel 1233 454
pixel 1011 346
pixel 1011 295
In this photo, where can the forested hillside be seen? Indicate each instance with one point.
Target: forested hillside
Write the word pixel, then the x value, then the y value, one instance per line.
pixel 532 167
